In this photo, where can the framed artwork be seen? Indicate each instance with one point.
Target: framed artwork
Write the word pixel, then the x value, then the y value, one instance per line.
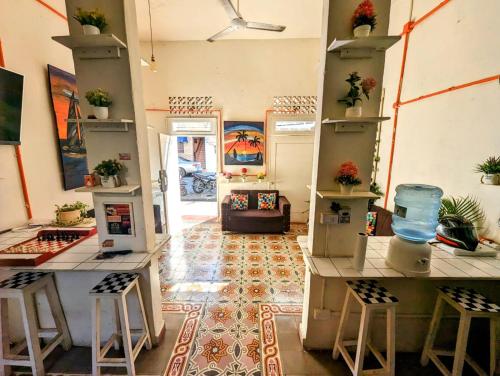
pixel 244 143
pixel 65 103
pixel 119 219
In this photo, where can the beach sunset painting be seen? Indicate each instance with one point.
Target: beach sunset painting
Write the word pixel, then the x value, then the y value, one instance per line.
pixel 244 143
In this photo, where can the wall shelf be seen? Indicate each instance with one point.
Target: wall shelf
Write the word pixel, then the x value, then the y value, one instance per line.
pixel 362 48
pixel 358 124
pixel 122 190
pixel 99 46
pixel 107 125
pixel 336 195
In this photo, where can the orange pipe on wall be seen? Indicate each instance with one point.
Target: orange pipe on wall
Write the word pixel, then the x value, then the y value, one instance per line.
pixel 19 160
pixel 52 9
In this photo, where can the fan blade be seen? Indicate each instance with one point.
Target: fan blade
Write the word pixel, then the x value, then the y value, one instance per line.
pixel 221 33
pixel 231 11
pixel 264 26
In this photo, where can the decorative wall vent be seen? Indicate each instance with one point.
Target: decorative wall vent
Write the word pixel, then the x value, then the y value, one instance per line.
pixel 301 104
pixel 190 105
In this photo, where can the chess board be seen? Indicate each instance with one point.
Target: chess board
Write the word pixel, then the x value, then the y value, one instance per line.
pixel 46 244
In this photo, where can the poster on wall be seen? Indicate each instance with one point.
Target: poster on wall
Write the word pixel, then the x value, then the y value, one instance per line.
pixel 119 219
pixel 65 103
pixel 244 143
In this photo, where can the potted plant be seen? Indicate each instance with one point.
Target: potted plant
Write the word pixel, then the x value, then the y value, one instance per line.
pixel 93 22
pixel 244 171
pixel 490 169
pixel 347 177
pixel 100 100
pixel 353 99
pixel 71 214
pixel 108 172
pixel 228 176
pixel 364 19
pixel 260 176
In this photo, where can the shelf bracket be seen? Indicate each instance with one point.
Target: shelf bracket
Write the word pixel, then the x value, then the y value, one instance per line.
pixel 356 53
pixel 111 52
pixel 350 128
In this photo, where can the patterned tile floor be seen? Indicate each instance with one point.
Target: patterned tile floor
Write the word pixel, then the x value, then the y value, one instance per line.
pixel 231 274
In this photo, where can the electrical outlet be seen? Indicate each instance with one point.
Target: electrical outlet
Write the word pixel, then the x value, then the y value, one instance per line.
pixel 322 314
pixel 329 219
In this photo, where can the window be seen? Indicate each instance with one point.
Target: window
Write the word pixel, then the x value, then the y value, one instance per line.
pixel 294 126
pixel 191 126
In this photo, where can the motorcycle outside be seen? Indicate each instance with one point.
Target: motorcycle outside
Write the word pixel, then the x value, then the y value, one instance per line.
pixel 204 182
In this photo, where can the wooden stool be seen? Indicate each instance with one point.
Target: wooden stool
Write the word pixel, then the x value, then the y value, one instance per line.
pixel 116 286
pixel 23 286
pixel 372 297
pixel 470 304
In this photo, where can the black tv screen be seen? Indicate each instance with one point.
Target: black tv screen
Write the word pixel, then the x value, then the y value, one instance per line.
pixel 11 102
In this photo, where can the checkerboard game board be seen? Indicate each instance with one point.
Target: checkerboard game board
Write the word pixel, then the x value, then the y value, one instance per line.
pixel 47 244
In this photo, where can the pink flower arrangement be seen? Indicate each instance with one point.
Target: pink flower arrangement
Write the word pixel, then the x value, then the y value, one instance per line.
pixel 348 174
pixel 367 85
pixel 364 15
pixel 228 175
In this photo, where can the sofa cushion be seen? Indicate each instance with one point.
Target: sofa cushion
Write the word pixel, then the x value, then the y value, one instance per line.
pixel 252 196
pixel 266 201
pixel 261 215
pixel 239 201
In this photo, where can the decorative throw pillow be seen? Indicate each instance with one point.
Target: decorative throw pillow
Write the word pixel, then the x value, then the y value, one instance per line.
pixel 266 201
pixel 239 201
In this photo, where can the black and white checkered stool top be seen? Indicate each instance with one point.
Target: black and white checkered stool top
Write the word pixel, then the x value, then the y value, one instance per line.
pixel 470 299
pixel 371 292
pixel 114 283
pixel 21 280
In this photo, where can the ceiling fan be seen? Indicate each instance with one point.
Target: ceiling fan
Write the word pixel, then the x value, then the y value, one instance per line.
pixel 238 22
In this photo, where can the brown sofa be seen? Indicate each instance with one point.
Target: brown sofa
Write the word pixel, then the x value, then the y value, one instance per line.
pixel 254 220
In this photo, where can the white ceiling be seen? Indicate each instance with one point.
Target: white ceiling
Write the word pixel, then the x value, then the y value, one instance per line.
pixel 199 19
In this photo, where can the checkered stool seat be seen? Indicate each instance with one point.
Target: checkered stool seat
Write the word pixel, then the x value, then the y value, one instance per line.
pixel 21 280
pixel 470 299
pixel 371 292
pixel 114 283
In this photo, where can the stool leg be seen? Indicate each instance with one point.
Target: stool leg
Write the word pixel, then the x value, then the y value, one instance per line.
pixel 58 314
pixel 343 321
pixel 96 335
pixel 144 319
pixel 461 347
pixel 4 333
pixel 362 337
pixel 127 341
pixel 117 326
pixel 391 341
pixel 433 329
pixel 31 328
pixel 493 346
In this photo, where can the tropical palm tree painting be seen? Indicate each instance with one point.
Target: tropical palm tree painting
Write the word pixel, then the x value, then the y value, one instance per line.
pixel 244 143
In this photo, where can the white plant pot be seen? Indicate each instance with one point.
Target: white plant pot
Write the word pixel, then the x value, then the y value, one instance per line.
pixel 110 181
pixel 102 113
pixel 243 178
pixel 346 189
pixel 356 111
pixel 69 217
pixel 90 30
pixel 260 180
pixel 490 179
pixel 362 31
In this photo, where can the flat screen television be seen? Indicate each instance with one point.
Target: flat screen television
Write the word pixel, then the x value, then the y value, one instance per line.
pixel 11 103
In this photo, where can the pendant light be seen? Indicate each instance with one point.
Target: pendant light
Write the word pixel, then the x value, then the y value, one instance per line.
pixel 152 63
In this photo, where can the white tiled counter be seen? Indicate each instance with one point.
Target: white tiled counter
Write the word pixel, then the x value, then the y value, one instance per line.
pixel 325 282
pixel 76 271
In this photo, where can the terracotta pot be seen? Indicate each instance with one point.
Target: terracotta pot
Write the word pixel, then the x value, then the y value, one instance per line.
pixel 102 113
pixel 90 30
pixel 346 189
pixel 362 31
pixel 110 181
pixel 69 217
pixel 356 111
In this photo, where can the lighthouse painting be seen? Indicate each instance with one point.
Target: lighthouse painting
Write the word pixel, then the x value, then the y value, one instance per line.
pixel 244 143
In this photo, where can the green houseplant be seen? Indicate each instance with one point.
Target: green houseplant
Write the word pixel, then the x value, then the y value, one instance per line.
pixel 347 177
pixel 108 172
pixel 357 87
pixel 71 214
pixel 490 169
pixel 467 208
pixel 92 21
pixel 100 101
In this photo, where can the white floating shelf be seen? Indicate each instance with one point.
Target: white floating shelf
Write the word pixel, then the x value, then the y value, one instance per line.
pixel 356 120
pixel 101 46
pixel 107 125
pixel 361 48
pixel 124 189
pixel 339 196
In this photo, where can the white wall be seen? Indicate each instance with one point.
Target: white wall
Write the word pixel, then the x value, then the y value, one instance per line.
pixel 440 139
pixel 243 76
pixel 26 29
